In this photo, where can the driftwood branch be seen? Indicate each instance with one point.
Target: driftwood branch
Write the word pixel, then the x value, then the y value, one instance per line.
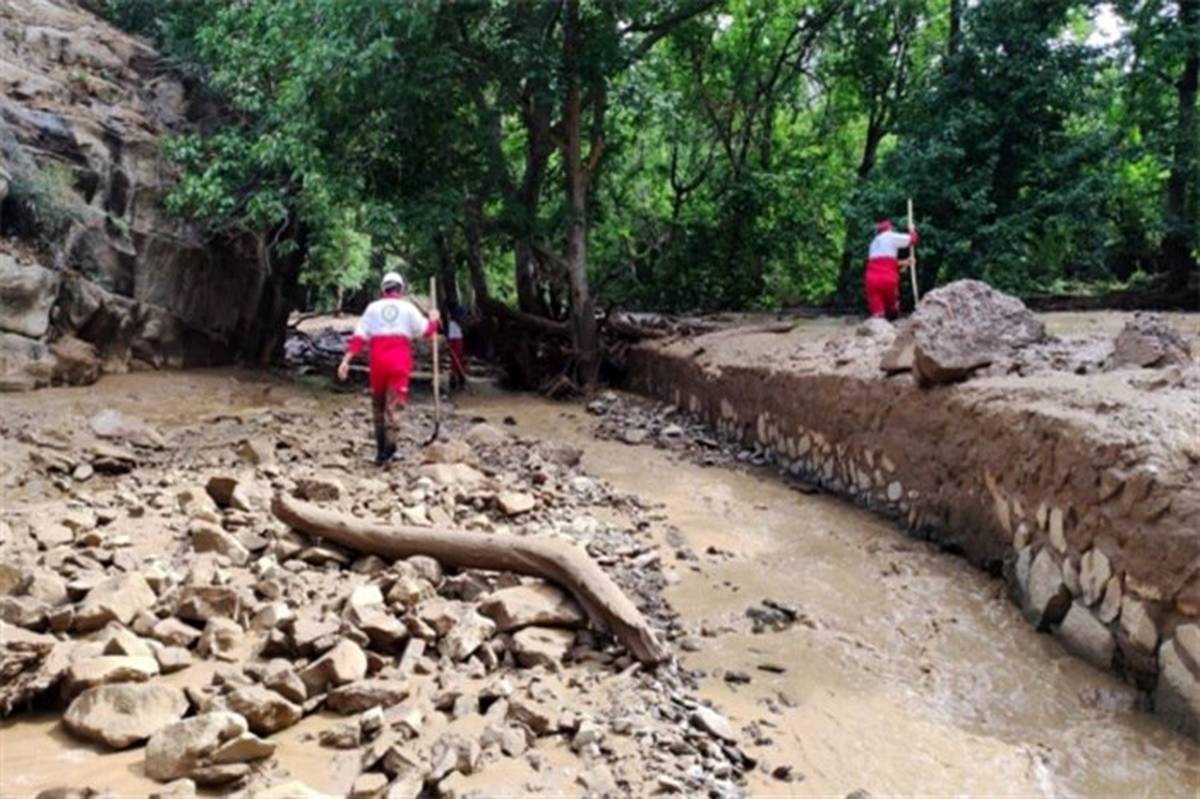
pixel 554 560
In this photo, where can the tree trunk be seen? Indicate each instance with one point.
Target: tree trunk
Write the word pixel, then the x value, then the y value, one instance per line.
pixel 1183 183
pixel 552 559
pixel 583 313
pixel 954 38
pixel 447 280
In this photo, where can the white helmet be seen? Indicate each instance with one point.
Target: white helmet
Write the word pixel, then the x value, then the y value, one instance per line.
pixel 392 280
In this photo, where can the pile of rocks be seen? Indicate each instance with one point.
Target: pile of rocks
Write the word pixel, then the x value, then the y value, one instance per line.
pixel 178 566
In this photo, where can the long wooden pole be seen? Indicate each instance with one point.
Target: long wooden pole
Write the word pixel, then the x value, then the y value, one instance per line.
pixel 437 388
pixel 912 259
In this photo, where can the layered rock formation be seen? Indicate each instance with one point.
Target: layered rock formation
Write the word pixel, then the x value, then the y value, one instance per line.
pixel 88 255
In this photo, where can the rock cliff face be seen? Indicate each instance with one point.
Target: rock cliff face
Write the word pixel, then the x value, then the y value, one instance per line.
pixel 91 266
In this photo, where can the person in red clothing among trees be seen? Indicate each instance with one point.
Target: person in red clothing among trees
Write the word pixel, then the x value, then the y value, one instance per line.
pixel 387 328
pixel 882 277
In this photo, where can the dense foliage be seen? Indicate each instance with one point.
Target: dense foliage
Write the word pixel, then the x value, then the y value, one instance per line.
pixel 684 154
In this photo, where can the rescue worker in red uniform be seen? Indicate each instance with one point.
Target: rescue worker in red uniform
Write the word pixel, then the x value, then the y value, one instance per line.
pixel 882 277
pixel 387 328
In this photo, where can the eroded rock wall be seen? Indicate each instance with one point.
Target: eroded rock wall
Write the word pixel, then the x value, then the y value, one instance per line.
pixel 86 247
pixel 1094 525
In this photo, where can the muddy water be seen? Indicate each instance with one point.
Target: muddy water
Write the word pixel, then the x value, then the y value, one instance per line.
pixel 912 673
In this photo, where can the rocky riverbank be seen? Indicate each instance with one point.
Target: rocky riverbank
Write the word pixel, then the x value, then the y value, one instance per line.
pixel 1066 463
pixel 151 598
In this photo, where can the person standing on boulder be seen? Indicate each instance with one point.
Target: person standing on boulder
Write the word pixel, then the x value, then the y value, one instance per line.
pixel 388 327
pixel 882 279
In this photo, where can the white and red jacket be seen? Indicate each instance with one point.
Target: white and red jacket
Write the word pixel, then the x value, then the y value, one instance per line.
pixel 389 325
pixel 885 250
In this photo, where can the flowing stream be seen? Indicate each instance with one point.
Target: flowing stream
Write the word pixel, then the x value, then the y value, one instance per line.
pixel 910 672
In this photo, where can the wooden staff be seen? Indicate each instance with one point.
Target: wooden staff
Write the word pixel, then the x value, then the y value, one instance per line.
pixel 437 389
pixel 912 258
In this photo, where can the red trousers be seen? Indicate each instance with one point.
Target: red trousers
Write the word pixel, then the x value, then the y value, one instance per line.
pixel 391 367
pixel 882 283
pixel 458 356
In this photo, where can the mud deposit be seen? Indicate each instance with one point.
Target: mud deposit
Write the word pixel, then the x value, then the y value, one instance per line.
pixel 905 671
pixel 841 653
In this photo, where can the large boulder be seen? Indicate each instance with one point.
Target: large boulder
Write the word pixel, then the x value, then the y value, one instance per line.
pixel 965 326
pixel 118 598
pixel 27 292
pixel 124 714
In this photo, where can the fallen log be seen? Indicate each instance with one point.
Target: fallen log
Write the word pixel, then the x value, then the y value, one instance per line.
pixel 554 560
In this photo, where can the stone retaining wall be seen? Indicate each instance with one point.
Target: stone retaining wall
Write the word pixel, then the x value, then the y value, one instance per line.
pixel 1095 538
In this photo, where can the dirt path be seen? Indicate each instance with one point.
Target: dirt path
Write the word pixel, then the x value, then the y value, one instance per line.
pixel 910 672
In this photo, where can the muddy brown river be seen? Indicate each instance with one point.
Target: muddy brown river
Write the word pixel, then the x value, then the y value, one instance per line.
pixel 911 672
pixel 916 676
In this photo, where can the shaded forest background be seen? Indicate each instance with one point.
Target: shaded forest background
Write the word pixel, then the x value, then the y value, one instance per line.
pixel 555 157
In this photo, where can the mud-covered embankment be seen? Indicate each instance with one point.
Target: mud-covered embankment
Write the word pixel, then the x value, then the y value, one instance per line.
pixel 1080 490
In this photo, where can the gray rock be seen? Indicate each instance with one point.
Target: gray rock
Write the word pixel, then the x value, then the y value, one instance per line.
pixel 1087 637
pixel 965 325
pixel 117 598
pixel 265 711
pixel 366 694
pixel 208 537
pixel 122 715
pixel 105 669
pixel 713 723
pixel 1137 624
pixel 27 292
pixel 345 663
pixel 528 604
pixel 1148 341
pixel 542 646
pixel 1177 695
pixel 1047 599
pixel 186 746
pixel 470 631
pixel 1094 571
pixel 515 503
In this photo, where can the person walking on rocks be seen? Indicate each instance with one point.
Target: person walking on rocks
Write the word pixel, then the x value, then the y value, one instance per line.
pixel 388 327
pixel 882 277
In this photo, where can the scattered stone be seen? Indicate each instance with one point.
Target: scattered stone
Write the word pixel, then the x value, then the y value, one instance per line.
pixel 265 711
pixel 221 639
pixel 177 789
pixel 515 503
pixel 122 715
pixel 208 537
pixel 343 664
pixel 453 474
pixel 105 669
pixel 531 603
pixel 365 694
pixel 186 746
pixel 1148 341
pixel 320 488
pixel 172 632
pixel 485 435
pixel 542 646
pixel 257 451
pixel 713 723
pixel 467 634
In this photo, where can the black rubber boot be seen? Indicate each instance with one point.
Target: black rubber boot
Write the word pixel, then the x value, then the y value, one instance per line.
pixel 384 450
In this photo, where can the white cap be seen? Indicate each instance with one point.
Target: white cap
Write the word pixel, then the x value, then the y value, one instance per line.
pixel 392 279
